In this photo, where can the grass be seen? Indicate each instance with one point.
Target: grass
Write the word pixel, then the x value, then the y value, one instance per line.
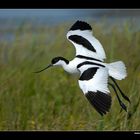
pixel 52 99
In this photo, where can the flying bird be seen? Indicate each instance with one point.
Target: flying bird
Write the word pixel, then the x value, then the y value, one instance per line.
pixel 93 72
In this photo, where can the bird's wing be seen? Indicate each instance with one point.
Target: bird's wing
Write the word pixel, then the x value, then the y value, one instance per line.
pixel 80 34
pixel 93 82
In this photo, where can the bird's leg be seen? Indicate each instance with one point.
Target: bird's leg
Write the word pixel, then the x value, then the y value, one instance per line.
pixel 123 95
pixel 120 102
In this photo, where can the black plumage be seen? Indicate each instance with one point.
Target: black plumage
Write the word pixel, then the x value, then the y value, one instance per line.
pixel 82 41
pixel 100 101
pixel 81 25
pixel 88 74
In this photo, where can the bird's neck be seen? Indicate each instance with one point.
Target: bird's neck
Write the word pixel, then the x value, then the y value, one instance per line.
pixel 65 65
pixel 70 67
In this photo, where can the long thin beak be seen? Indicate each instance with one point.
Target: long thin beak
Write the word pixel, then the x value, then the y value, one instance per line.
pixel 44 68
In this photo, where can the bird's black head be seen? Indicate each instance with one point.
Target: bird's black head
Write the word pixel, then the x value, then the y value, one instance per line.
pixel 57 61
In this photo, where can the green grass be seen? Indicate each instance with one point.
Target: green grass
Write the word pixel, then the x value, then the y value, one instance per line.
pixel 52 100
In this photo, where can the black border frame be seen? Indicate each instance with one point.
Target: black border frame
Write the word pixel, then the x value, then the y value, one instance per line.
pixel 69 4
pixel 117 4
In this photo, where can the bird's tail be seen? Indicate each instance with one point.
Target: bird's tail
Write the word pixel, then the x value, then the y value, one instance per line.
pixel 117 70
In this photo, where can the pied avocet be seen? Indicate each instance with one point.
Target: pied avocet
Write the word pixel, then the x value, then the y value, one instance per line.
pixel 93 72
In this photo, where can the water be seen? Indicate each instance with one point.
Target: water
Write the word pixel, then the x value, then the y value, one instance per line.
pixel 57 16
pixel 11 19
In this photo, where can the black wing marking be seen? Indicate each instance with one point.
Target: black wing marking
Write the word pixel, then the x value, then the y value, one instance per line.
pixel 87 58
pixel 88 74
pixel 80 25
pixel 89 63
pixel 81 33
pixel 100 101
pixel 82 41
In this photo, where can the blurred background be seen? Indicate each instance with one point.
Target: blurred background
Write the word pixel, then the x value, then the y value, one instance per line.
pixel 52 100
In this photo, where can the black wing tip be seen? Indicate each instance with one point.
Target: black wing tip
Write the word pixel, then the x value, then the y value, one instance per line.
pixel 100 101
pixel 82 25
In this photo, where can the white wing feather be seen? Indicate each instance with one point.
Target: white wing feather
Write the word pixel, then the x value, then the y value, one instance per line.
pixel 81 50
pixel 98 82
pixel 117 70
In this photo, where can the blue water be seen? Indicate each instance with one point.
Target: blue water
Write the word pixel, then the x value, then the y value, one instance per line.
pixel 56 16
pixel 13 18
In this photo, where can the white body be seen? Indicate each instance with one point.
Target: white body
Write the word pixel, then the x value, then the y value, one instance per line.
pixel 99 82
pixel 116 69
pixel 89 64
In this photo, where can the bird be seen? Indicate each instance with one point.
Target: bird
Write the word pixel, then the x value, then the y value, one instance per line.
pixel 93 72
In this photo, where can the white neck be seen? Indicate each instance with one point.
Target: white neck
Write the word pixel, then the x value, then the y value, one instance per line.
pixel 66 67
pixel 62 64
pixel 70 67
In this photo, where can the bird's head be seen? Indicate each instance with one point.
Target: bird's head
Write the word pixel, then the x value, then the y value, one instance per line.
pixel 57 61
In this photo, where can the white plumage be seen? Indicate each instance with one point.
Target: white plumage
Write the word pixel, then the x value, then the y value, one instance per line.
pixel 98 82
pixel 93 72
pixel 117 70
pixel 81 50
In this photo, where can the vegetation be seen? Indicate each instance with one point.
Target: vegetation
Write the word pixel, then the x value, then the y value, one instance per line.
pixel 52 100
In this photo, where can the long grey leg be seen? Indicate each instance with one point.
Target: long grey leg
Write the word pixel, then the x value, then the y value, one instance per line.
pixel 123 95
pixel 120 102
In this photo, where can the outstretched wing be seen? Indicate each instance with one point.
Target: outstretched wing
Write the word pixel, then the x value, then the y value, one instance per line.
pixel 93 82
pixel 80 34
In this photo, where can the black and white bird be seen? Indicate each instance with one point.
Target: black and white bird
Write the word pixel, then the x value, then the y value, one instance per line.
pixel 93 72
